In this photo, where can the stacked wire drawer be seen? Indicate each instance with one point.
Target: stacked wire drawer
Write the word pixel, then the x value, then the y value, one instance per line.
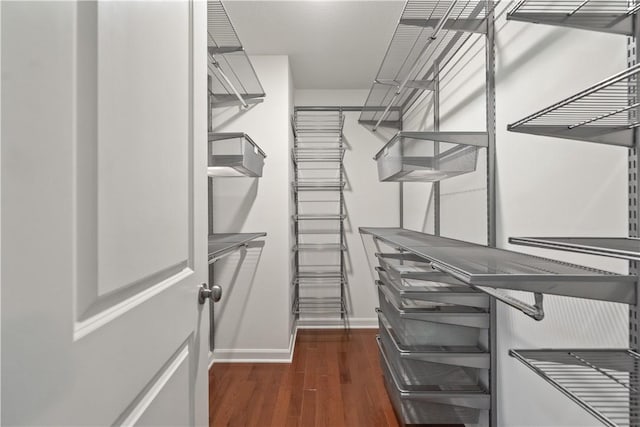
pixel 433 343
pixel 318 188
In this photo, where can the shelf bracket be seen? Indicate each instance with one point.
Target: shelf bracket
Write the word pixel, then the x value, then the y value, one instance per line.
pixel 535 311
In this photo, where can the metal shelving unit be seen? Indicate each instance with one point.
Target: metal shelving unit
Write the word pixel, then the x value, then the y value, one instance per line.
pixel 604 382
pixel 605 113
pixel 611 16
pixel 234 154
pixel 429 34
pixel 232 79
pixel 318 190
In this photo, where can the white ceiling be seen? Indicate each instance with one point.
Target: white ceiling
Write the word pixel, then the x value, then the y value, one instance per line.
pixel 335 44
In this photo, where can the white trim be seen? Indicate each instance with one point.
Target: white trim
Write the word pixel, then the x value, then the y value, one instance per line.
pixel 352 323
pixel 266 355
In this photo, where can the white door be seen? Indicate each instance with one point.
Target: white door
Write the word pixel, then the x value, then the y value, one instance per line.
pixel 103 189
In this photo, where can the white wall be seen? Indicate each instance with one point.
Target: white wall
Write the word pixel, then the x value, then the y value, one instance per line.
pixel 368 202
pixel 253 320
pixel 545 187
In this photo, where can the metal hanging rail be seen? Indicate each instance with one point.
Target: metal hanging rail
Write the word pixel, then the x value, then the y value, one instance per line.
pixel 232 78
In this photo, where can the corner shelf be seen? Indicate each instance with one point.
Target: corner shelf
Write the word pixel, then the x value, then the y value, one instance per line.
pixel 420 156
pixel 605 113
pixel 234 154
pixel 615 247
pixel 603 382
pixel 223 244
pixel 486 267
pixel 428 35
pixel 232 79
pixel 612 16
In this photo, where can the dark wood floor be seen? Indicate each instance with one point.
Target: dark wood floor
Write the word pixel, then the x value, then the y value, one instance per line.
pixel 335 380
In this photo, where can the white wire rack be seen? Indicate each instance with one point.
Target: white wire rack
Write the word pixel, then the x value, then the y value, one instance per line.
pixel 611 16
pixel 232 78
pixel 606 113
pixel 429 33
pixel 603 382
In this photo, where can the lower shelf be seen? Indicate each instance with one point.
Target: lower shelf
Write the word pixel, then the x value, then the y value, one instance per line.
pixel 319 305
pixel 603 382
pixel 424 405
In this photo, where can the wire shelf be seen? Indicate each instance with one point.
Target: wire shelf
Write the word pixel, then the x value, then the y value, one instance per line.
pixel 605 113
pixel 326 123
pixel 482 266
pixel 612 16
pixel 319 247
pixel 222 244
pixel 319 217
pixel 616 247
pixel 232 78
pixel 319 305
pixel 317 155
pixel 317 185
pixel 603 382
pixel 428 33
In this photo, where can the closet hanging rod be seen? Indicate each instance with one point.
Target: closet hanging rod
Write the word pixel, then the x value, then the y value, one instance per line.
pixel 416 64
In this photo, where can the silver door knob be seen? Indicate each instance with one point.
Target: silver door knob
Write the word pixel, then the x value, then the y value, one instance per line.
pixel 214 293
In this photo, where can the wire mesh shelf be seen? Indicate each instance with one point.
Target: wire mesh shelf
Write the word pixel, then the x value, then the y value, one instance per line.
pixel 319 247
pixel 616 247
pixel 317 185
pixel 428 33
pixel 232 78
pixel 234 155
pixel 327 123
pixel 611 16
pixel 319 305
pixel 429 156
pixel 319 217
pixel 603 382
pixel 317 155
pixel 605 113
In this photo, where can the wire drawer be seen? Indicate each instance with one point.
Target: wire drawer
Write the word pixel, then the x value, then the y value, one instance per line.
pixel 431 324
pixel 412 278
pixel 417 404
pixel 234 155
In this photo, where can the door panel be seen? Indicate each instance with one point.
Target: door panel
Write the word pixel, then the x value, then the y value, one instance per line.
pixel 103 188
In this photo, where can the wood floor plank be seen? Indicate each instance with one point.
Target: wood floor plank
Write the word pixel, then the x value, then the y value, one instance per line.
pixel 334 380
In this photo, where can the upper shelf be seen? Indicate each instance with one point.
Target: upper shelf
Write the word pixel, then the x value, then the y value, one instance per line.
pixel 232 79
pixel 429 34
pixel 614 247
pixel 420 156
pixel 323 124
pixel 482 266
pixel 234 154
pixel 612 16
pixel 605 113
pixel 222 244
pixel 603 382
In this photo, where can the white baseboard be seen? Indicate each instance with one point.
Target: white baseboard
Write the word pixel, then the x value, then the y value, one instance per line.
pixel 353 323
pixel 269 355
pixel 263 355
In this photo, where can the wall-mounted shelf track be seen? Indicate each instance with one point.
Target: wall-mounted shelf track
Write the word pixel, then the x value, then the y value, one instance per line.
pixel 485 267
pixel 605 113
pixel 611 16
pixel 429 34
pixel 234 154
pixel 222 244
pixel 614 247
pixel 232 78
pixel 603 382
pixel 429 156
pixel 318 221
